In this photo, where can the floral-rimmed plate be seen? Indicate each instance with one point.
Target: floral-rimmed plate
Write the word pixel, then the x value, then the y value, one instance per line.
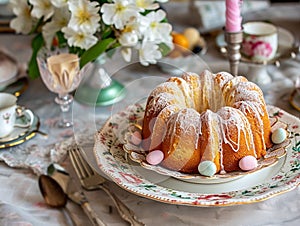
pixel 264 184
pixel 137 154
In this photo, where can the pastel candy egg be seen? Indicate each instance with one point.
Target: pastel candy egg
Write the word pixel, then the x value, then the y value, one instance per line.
pixel 192 34
pixel 155 157
pixel 279 135
pixel 207 168
pixel 136 138
pixel 248 162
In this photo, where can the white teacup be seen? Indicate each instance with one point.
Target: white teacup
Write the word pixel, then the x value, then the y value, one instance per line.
pixel 8 114
pixel 260 41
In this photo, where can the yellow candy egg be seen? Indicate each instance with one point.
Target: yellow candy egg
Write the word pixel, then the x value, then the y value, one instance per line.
pixel 192 34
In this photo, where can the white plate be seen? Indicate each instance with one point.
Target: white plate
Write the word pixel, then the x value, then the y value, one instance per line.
pixel 286 42
pixel 266 183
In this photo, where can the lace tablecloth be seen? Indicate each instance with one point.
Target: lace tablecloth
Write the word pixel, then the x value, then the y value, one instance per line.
pixel 22 204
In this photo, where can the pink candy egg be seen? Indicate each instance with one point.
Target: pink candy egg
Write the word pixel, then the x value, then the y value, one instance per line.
pixel 248 163
pixel 155 157
pixel 136 138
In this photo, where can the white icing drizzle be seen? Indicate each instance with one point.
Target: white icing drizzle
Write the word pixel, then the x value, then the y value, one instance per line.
pixel 221 101
pixel 161 101
pixel 222 78
pixel 160 124
pixel 187 121
pixel 211 121
pixel 245 92
pixel 192 79
pixel 257 109
pixel 166 87
pixel 186 91
pixel 235 118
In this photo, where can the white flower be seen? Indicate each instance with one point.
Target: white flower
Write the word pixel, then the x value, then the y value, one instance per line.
pixel 119 12
pixel 129 38
pixel 59 3
pixel 42 8
pixel 158 32
pixel 147 4
pixel 23 22
pixel 59 20
pixel 149 53
pixel 79 38
pixel 132 32
pixel 135 25
pixel 84 15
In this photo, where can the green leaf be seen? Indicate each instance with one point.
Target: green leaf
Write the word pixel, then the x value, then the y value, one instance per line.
pixel 61 39
pixel 96 50
pixel 106 32
pixel 164 49
pixel 37 43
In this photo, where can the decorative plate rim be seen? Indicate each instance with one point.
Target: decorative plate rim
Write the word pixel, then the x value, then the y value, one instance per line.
pixel 137 154
pixel 111 160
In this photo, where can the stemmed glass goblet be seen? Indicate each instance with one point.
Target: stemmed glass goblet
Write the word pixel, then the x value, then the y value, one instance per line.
pixel 61 73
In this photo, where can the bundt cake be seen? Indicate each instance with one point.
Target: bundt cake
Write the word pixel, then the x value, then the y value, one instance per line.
pixel 208 117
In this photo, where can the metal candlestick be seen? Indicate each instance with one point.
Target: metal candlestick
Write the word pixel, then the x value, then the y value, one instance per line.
pixel 234 40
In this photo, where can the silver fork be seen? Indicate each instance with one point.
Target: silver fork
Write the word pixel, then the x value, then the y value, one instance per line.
pixel 91 180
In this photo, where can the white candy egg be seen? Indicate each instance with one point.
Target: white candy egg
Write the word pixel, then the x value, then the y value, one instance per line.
pixel 279 135
pixel 207 168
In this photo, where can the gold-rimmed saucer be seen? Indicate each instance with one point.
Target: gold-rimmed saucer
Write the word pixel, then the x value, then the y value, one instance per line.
pixel 18 87
pixel 20 134
pixel 287 47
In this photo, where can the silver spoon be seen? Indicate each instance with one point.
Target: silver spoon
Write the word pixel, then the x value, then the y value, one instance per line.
pixel 54 196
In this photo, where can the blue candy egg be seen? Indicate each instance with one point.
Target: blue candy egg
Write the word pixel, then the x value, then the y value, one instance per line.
pixel 207 168
pixel 279 135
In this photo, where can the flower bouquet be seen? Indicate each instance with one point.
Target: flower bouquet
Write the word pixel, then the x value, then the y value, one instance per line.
pixel 92 27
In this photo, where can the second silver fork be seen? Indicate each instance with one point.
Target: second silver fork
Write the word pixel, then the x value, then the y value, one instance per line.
pixel 91 180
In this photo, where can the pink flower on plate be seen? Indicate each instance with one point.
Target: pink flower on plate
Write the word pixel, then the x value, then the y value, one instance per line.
pixel 131 178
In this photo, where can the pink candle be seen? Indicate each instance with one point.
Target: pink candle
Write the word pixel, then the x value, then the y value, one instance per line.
pixel 233 15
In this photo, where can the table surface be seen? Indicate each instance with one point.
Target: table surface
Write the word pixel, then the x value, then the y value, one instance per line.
pixel 20 200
